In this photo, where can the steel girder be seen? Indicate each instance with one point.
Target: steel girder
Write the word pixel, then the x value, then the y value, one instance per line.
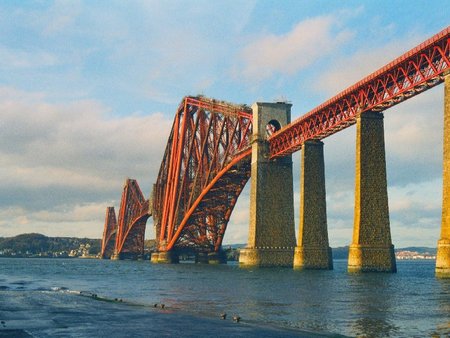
pixel 412 73
pixel 133 215
pixel 109 233
pixel 204 169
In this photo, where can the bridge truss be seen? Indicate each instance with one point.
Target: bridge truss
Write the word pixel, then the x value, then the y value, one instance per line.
pixel 206 163
pixel 205 166
pixel 109 233
pixel 133 215
pixel 412 73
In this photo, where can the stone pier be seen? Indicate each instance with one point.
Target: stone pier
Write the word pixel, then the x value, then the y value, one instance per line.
pixel 271 239
pixel 371 249
pixel 154 257
pixel 443 246
pixel 313 251
pixel 126 256
pixel 165 257
pixel 217 257
pixel 211 257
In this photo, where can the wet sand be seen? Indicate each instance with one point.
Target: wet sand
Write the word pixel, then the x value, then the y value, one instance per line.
pixel 55 314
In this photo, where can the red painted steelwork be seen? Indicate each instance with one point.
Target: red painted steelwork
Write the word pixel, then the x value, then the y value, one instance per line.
pixel 109 233
pixel 204 169
pixel 206 163
pixel 133 215
pixel 412 73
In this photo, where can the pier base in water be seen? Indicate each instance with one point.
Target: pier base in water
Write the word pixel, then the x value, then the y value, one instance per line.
pixel 266 257
pixel 126 256
pixel 165 257
pixel 211 258
pixel 443 259
pixel 217 258
pixel 371 259
pixel 313 258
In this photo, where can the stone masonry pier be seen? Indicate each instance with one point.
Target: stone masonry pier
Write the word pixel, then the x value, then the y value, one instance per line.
pixel 313 251
pixel 371 249
pixel 443 246
pixel 271 239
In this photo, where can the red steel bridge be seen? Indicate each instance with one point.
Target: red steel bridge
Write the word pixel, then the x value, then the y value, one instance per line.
pixel 207 159
pixel 124 238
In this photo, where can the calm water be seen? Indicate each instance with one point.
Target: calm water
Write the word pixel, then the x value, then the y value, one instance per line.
pixel 410 303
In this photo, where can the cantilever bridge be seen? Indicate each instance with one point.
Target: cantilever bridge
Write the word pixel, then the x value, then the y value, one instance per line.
pixel 214 147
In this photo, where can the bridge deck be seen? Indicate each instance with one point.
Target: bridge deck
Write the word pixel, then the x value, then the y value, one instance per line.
pixel 415 71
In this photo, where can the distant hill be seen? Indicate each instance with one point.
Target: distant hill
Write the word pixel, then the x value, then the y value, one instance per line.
pixel 37 243
pixel 33 244
pixel 234 246
pixel 419 249
pixel 342 252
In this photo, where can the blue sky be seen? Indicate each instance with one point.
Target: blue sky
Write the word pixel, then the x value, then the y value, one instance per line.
pixel 88 90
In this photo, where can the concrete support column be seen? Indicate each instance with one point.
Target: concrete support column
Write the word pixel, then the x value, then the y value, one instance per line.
pixel 371 249
pixel 313 250
pixel 272 228
pixel 443 247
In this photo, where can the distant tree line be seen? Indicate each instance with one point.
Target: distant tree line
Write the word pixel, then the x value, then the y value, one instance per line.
pixel 37 243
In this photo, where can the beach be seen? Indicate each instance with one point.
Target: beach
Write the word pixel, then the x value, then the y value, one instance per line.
pixel 64 314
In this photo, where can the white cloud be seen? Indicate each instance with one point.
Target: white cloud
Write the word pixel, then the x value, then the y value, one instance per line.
pixel 23 59
pixel 287 54
pixel 78 213
pixel 77 136
pixel 65 162
pixel 346 69
pixel 408 235
pixel 59 17
pixel 341 234
pixel 237 229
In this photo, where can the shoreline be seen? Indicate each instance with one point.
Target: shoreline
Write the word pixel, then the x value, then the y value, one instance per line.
pixel 25 313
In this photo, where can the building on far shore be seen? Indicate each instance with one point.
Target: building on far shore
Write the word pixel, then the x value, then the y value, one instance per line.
pixel 414 255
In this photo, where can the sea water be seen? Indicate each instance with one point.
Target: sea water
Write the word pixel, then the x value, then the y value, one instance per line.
pixel 409 303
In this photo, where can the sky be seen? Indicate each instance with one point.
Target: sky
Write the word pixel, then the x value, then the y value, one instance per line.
pixel 89 90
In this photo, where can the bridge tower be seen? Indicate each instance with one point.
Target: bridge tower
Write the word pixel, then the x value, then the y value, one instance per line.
pixel 443 247
pixel 371 249
pixel 271 239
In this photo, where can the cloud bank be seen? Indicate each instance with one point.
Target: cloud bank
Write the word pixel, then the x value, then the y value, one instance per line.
pixel 289 53
pixel 63 162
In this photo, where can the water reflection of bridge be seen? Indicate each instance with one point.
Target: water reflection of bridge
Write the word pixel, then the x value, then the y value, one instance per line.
pixel 214 148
